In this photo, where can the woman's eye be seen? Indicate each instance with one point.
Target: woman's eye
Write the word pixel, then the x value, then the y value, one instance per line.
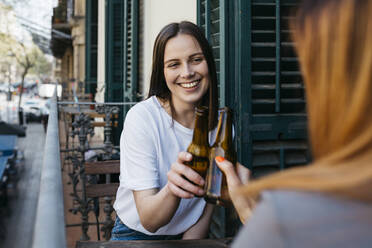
pixel 173 65
pixel 197 59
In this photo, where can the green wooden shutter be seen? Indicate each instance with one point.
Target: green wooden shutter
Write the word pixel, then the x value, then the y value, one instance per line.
pixel 121 56
pixel 114 58
pixel 260 79
pixel 130 91
pixel 272 118
pixel 91 29
pixel 215 17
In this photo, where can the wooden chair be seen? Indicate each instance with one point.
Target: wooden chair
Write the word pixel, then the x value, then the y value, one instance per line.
pixel 113 119
pixel 106 190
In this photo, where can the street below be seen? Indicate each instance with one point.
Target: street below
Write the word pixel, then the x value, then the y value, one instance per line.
pixel 21 210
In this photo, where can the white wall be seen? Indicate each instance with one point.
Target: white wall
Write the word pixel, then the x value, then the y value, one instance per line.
pixel 101 63
pixel 157 14
pixel 101 52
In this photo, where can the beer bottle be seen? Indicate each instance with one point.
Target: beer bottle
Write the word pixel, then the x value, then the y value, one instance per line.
pixel 216 185
pixel 199 147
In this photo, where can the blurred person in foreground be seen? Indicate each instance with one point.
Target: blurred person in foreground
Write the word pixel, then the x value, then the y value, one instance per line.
pixel 329 202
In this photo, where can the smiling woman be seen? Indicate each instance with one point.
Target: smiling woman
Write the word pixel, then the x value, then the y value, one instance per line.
pixel 168 39
pixel 154 199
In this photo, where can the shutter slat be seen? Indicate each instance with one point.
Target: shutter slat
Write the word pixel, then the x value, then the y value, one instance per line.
pixel 271 150
pixel 91 46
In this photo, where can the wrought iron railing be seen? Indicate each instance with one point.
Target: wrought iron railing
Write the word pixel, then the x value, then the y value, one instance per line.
pixel 49 230
pixel 79 129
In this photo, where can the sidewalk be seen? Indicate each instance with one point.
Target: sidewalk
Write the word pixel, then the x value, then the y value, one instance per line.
pixel 23 200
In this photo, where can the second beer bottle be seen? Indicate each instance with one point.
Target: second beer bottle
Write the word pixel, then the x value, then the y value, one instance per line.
pixel 199 147
pixel 216 185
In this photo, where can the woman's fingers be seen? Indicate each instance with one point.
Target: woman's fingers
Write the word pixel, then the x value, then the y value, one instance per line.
pixel 183 181
pixel 236 177
pixel 228 169
pixel 180 181
pixel 180 168
pixel 243 172
pixel 179 192
pixel 184 156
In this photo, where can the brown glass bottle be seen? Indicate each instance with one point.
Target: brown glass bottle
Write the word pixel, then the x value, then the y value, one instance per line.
pixel 199 147
pixel 216 186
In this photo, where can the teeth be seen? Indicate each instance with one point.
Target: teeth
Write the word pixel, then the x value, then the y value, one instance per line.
pixel 189 85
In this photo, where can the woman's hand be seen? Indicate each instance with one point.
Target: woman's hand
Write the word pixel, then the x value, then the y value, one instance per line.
pixel 236 177
pixel 183 181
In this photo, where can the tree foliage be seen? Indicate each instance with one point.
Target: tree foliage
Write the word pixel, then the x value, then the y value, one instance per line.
pixel 28 57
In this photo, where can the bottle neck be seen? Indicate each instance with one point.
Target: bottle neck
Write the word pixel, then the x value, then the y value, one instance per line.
pixel 200 135
pixel 224 137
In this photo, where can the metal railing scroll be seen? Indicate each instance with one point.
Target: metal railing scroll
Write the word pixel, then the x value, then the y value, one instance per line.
pixel 82 128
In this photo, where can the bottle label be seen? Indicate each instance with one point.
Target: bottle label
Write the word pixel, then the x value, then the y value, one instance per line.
pixel 216 180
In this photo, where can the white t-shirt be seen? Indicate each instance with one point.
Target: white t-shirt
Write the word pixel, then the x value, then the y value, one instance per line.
pixel 149 144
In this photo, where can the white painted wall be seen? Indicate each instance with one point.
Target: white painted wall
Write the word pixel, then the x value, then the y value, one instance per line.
pixel 101 53
pixel 101 63
pixel 157 14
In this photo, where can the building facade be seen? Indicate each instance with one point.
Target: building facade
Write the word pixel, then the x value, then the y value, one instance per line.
pixel 68 44
pixel 257 67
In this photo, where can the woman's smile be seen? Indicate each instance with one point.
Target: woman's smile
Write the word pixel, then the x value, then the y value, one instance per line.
pixel 190 85
pixel 185 70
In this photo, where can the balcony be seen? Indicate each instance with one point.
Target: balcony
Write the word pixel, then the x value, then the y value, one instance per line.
pixel 61 28
pixel 74 206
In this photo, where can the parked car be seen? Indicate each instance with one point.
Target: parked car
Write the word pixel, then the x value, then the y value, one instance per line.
pixel 33 114
pixel 6 87
pixel 34 110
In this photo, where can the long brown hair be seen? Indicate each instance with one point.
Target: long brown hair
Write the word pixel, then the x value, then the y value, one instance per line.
pixel 334 45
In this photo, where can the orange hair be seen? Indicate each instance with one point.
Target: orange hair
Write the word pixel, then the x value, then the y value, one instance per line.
pixel 334 45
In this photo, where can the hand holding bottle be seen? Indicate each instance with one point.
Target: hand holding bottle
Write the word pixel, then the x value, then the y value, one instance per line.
pixel 237 176
pixel 183 181
pixel 216 186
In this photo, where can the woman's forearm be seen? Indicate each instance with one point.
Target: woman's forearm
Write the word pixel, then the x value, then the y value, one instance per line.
pixel 200 229
pixel 155 208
